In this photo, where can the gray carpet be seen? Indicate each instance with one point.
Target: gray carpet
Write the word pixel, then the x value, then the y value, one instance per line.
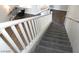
pixel 54 40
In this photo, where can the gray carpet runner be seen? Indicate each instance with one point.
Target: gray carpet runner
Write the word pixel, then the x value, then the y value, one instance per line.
pixel 54 40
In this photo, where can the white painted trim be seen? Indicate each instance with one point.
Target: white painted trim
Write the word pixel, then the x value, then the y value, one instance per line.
pixel 44 23
pixel 34 42
pixel 10 23
pixel 7 36
pixel 18 36
pixel 27 29
pixel 23 32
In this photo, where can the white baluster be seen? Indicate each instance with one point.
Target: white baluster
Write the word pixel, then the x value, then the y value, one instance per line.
pixel 36 26
pixel 23 32
pixel 4 47
pixel 27 29
pixel 31 29
pixel 6 35
pixel 17 35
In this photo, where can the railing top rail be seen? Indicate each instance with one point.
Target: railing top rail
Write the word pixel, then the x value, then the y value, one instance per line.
pixel 43 10
pixel 73 19
pixel 10 23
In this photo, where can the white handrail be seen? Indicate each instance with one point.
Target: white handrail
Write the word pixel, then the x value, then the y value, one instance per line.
pixel 43 10
pixel 10 23
pixel 34 25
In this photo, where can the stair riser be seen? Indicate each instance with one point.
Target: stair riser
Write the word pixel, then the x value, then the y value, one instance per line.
pixel 50 45
pixel 57 36
pixel 45 50
pixel 60 34
pixel 55 40
pixel 57 31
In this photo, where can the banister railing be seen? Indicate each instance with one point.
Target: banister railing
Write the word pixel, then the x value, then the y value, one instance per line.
pixel 20 35
pixel 73 19
pixel 45 10
pixel 10 23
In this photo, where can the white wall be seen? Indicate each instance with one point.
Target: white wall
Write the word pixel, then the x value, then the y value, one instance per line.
pixel 4 11
pixel 33 10
pixel 60 7
pixel 72 27
pixel 73 12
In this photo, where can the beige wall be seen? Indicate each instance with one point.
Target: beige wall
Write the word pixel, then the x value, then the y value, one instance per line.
pixel 72 27
pixel 4 11
pixel 33 10
pixel 73 12
pixel 60 7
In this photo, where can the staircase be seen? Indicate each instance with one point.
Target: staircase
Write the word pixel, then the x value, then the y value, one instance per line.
pixel 54 40
pixel 22 36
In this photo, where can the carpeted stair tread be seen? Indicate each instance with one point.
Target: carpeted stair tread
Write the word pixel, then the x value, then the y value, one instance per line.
pixel 60 34
pixel 54 40
pixel 56 36
pixel 55 46
pixel 44 49
pixel 56 30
